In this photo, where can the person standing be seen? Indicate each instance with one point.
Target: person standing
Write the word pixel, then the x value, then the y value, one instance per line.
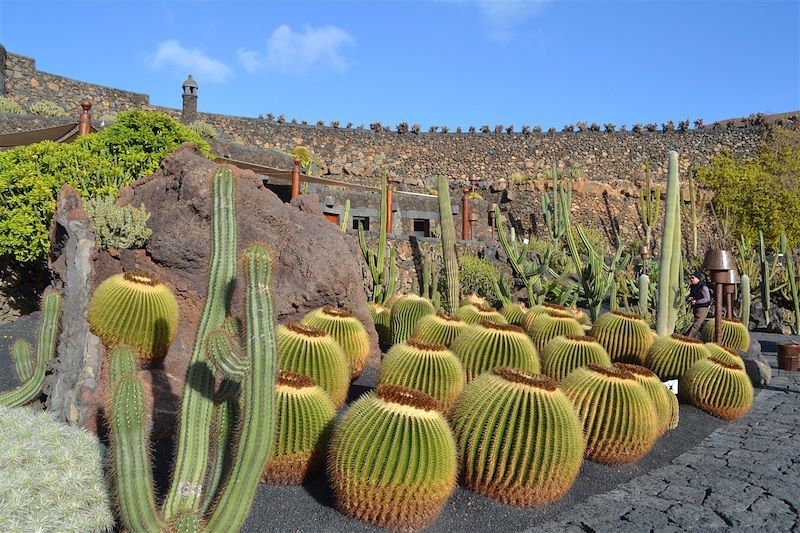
pixel 700 298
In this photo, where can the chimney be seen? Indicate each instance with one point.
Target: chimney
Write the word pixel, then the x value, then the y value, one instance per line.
pixel 189 111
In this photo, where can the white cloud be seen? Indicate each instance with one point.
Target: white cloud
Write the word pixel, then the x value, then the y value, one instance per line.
pixel 503 17
pixel 299 53
pixel 190 61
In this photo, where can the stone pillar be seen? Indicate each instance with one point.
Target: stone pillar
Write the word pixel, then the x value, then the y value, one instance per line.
pixel 465 214
pixel 3 56
pixel 296 179
pixel 189 110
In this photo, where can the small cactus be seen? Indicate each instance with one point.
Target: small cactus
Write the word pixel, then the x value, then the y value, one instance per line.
pixel 137 310
pixel 718 387
pixel 619 420
pixel 303 424
pixel 507 452
pixel 438 329
pixel 312 352
pixel 428 368
pixel 348 332
pixel 734 334
pixel 665 402
pixel 550 325
pixel 488 345
pixel 376 458
pixel 562 355
pixel 472 314
pixel 724 354
pixel 381 316
pixel 531 314
pixel 406 312
pixel 669 357
pixel 514 313
pixel 625 336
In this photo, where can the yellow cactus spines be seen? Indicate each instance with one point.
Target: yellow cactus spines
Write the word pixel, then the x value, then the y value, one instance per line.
pixel 440 328
pixel 381 315
pixel 724 354
pixel 664 401
pixel 550 324
pixel 487 345
pixel 348 332
pixel 312 352
pixel 474 299
pixel 670 356
pixel 304 421
pixel 625 336
pixel 519 438
pixel 734 334
pixel 392 459
pixel 474 313
pixel 137 310
pixel 429 368
pixel 514 313
pixel 562 355
pixel 619 419
pixel 720 388
pixel 406 312
pixel 531 314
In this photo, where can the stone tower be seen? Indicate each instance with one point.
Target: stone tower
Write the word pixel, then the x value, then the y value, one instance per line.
pixel 189 111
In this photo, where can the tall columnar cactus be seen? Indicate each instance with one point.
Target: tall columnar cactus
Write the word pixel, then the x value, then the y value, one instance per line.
pixel 348 332
pixel 555 208
pixel 207 493
pixel 382 282
pixel 695 216
pixel 547 326
pixel 514 313
pixel 472 314
pixel 649 205
pixel 644 293
pixel 430 281
pixel 448 236
pixel 619 418
pixel 438 329
pixel 519 438
pixel 428 368
pixel 312 352
pixel 345 216
pixel 669 357
pixel 487 345
pixel 744 290
pixel 377 453
pixel 793 284
pixel 625 336
pixel 665 402
pixel 720 388
pixel 768 276
pixel 734 334
pixel 135 309
pixel 406 312
pixel 30 369
pixel 669 276
pixel 303 425
pixel 563 354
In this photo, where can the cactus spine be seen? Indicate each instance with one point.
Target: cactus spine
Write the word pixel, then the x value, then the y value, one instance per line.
pixel 549 325
pixel 472 314
pixel 345 216
pixel 382 284
pixel 448 237
pixel 744 289
pixel 520 440
pixel 514 313
pixel 720 388
pixel 30 372
pixel 792 275
pixel 669 275
pixel 666 403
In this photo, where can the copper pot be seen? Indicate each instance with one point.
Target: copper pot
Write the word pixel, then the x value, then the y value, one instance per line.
pixel 788 355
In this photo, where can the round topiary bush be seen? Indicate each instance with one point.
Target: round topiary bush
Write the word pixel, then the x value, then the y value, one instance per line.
pixel 519 438
pixel 376 458
pixel 625 336
pixel 665 402
pixel 488 345
pixel 720 388
pixel 348 332
pixel 734 334
pixel 562 355
pixel 472 314
pixel 438 329
pixel 669 357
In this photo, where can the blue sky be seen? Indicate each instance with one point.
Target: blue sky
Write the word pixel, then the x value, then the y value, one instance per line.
pixel 443 62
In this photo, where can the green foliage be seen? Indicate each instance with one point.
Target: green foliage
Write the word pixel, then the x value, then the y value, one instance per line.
pixel 10 106
pixel 46 108
pixel 382 281
pixel 108 118
pixel 762 194
pixel 478 275
pixel 117 227
pixel 95 165
pixel 51 476
pixel 203 129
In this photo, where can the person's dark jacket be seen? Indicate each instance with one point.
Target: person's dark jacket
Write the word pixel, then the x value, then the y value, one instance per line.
pixel 700 294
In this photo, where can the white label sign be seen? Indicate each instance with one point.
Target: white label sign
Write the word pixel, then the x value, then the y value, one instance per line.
pixel 672 385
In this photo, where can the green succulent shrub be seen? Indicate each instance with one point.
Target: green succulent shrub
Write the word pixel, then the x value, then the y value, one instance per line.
pixel 720 388
pixel 440 328
pixel 734 334
pixel 303 424
pixel 51 476
pixel 563 354
pixel 477 275
pixel 406 312
pixel 135 309
pixel 348 332
pixel 108 118
pixel 472 314
pixel 519 438
pixel 117 227
pixel 10 106
pixel 514 313
pixel 311 352
pixel 46 108
pixel 376 457
pixel 619 419
pixel 669 357
pixel 549 325
pixel 428 368
pixel 382 317
pixel 203 129
pixel 489 345
pixel 664 401
pixel 98 164
pixel 625 336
